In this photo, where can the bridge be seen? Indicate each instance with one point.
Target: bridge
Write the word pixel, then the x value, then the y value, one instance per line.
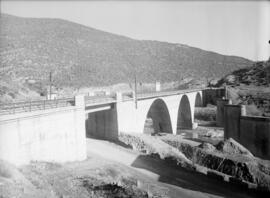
pixel 56 130
pixel 145 113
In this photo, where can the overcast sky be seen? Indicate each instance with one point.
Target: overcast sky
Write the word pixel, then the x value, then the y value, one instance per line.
pixel 239 28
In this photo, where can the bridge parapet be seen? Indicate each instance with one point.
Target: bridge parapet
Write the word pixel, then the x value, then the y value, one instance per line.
pixel 29 106
pixel 209 95
pixel 95 100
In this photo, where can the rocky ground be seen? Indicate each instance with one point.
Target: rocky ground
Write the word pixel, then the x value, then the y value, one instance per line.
pixel 205 147
pixel 136 166
pixel 91 178
pixel 228 159
pixel 194 163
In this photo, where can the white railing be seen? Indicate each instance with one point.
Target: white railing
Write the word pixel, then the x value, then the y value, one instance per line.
pixel 27 106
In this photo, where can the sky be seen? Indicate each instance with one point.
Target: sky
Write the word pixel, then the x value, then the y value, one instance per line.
pixel 240 28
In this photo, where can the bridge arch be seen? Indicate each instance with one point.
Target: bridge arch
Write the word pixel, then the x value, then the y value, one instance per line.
pixel 198 100
pixel 184 116
pixel 157 118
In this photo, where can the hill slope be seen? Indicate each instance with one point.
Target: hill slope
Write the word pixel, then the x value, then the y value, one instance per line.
pixel 257 75
pixel 250 86
pixel 82 56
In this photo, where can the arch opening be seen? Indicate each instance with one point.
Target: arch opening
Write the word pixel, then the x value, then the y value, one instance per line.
pixel 158 119
pixel 184 118
pixel 198 100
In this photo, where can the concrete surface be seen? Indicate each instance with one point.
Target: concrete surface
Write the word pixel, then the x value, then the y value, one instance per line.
pixel 59 134
pixel 220 111
pixel 54 135
pixel 132 119
pixel 254 134
pixel 102 124
pixel 232 115
pixel 251 131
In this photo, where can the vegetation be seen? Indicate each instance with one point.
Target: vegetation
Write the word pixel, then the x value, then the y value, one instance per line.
pixel 250 86
pixel 205 113
pixel 257 75
pixel 80 56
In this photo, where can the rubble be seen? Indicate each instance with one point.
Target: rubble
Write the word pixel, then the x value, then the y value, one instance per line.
pixel 229 158
pixel 230 146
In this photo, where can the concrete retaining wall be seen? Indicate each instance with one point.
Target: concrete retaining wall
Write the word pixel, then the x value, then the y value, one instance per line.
pixel 54 135
pixel 255 135
pixel 220 111
pixel 232 115
pixel 250 131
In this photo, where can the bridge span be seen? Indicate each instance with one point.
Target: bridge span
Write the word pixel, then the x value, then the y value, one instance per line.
pixel 145 113
pixel 57 130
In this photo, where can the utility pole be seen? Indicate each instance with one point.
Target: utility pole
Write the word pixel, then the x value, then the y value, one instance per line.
pixel 135 87
pixel 50 85
pixel 268 70
pixel 135 82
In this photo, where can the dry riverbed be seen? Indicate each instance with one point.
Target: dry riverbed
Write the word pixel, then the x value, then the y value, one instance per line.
pixel 227 160
pixel 152 169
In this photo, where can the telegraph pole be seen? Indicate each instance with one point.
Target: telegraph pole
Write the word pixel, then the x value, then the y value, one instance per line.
pixel 135 82
pixel 135 90
pixel 50 85
pixel 268 70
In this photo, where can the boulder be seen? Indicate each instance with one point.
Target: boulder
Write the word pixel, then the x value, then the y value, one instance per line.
pixel 207 147
pixel 230 146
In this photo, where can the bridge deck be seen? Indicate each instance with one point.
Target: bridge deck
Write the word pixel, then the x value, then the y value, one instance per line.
pixel 28 106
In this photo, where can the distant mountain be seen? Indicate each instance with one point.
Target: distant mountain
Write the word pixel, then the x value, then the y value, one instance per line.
pixel 82 56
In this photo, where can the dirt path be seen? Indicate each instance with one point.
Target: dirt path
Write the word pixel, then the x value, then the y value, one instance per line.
pixel 177 181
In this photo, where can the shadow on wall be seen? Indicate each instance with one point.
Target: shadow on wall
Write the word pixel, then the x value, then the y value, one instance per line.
pixel 184 120
pixel 158 119
pixel 102 124
pixel 189 180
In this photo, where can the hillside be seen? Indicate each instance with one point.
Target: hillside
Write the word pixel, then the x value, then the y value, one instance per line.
pixel 80 56
pixel 250 86
pixel 257 75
